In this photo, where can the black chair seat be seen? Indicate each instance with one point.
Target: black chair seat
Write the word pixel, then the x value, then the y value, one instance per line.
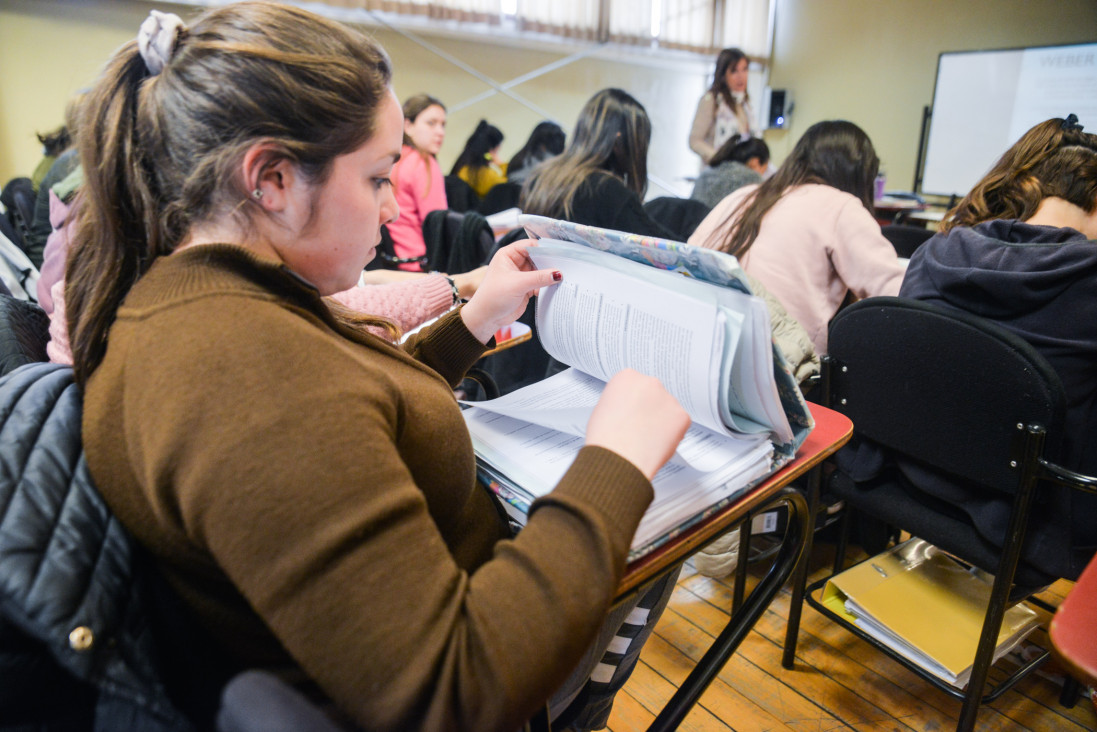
pixel 893 500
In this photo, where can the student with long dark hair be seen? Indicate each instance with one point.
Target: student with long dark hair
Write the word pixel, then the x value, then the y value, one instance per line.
pixel 739 162
pixel 416 178
pixel 546 141
pixel 601 178
pixel 808 233
pixel 724 109
pixel 478 164
pixel 306 486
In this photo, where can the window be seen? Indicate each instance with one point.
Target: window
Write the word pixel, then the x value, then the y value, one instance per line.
pixel 702 26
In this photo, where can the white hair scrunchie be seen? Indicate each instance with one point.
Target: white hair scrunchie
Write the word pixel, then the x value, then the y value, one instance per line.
pixel 156 39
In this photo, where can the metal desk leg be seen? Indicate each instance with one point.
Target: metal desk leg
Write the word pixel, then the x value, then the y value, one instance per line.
pixel 744 619
pixel 800 576
pixel 741 563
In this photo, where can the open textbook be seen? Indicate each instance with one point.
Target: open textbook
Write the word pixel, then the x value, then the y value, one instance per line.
pixel 624 303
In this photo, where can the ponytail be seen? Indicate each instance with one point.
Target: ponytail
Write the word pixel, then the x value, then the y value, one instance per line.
pixel 117 232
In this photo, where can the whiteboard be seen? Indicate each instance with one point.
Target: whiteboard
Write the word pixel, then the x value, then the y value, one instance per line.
pixel 985 100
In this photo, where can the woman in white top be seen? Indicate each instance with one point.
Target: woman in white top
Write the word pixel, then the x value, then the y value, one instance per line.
pixel 724 110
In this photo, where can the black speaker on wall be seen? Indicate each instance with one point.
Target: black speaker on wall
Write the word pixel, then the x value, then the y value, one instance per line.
pixel 778 108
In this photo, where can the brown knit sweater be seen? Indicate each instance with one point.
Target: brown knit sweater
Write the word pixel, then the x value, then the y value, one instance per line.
pixel 310 493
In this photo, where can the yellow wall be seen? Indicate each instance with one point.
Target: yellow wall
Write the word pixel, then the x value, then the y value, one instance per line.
pixel 874 62
pixel 870 61
pixel 61 44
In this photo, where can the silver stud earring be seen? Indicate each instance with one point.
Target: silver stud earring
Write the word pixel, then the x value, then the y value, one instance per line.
pixel 257 194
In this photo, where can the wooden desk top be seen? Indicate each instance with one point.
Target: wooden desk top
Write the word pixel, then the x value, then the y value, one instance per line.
pixel 832 431
pixel 1074 628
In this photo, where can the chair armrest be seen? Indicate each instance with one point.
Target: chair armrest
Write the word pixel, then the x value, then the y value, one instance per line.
pixel 1067 477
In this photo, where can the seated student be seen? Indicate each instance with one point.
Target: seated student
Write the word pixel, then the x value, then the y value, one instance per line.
pixel 739 162
pixel 1019 250
pixel 416 178
pixel 546 141
pixel 305 486
pixel 601 178
pixel 808 233
pixel 478 164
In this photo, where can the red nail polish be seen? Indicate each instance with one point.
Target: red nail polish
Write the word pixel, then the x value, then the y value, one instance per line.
pixel 557 276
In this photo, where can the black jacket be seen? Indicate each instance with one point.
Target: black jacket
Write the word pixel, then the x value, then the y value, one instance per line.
pixel 603 200
pixel 77 650
pixel 1040 283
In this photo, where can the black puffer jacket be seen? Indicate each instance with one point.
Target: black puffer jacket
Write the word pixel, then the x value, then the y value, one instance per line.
pixel 76 646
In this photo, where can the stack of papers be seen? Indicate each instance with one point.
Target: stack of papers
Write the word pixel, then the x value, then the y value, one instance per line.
pixel 521 460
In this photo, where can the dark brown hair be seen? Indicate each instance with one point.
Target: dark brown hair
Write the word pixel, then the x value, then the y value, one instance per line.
pixel 738 150
pixel 835 153
pixel 611 138
pixel 161 153
pixel 1051 159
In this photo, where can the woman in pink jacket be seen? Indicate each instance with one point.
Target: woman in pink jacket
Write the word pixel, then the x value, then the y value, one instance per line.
pixel 417 180
pixel 808 233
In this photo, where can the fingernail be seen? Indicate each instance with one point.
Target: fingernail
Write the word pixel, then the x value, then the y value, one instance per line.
pixel 557 275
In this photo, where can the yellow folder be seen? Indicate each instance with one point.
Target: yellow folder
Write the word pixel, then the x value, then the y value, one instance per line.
pixel 925 605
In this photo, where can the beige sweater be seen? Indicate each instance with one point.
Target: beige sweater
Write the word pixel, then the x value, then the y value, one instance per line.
pixel 310 494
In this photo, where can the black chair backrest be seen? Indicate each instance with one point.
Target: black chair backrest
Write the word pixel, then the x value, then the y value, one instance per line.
pixel 457 241
pixel 459 195
pixel 905 238
pixel 679 215
pixel 941 386
pixel 24 333
pixel 501 197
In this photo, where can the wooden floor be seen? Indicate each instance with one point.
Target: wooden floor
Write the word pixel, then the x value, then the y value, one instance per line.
pixel 839 682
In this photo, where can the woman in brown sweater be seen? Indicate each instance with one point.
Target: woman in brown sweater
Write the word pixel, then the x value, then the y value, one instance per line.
pixel 306 486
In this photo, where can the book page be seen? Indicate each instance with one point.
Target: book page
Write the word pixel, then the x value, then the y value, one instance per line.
pixel 742 358
pixel 564 402
pixel 601 321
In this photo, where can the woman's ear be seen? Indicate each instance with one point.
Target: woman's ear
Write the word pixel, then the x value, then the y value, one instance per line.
pixel 270 177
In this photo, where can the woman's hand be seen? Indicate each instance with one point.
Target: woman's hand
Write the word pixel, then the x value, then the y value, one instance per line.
pixel 508 284
pixel 637 419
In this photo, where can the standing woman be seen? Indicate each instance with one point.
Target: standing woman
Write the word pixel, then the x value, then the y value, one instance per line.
pixel 478 164
pixel 808 233
pixel 601 178
pixel 724 110
pixel 306 486
pixel 416 179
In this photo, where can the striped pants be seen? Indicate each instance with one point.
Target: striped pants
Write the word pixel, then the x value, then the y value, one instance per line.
pixel 585 700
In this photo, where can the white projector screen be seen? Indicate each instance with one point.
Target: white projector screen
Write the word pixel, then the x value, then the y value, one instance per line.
pixel 985 100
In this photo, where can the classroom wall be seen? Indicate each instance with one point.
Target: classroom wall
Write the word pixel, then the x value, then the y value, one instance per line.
pixel 60 45
pixel 874 62
pixel 870 61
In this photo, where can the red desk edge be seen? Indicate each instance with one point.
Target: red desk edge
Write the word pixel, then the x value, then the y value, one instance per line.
pixel 832 431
